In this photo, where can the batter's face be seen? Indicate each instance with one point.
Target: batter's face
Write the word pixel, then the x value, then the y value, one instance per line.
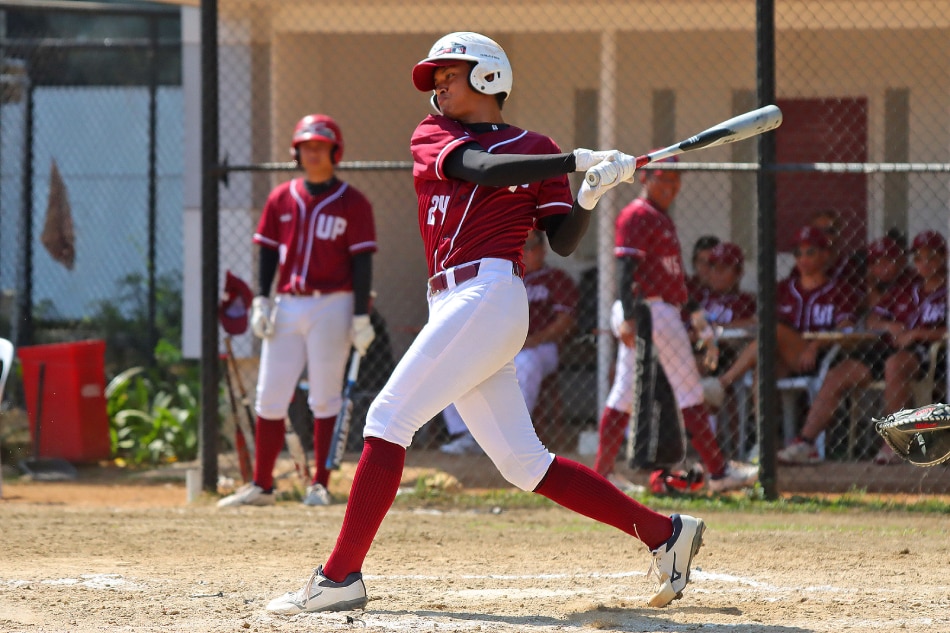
pixel 458 100
pixel 316 160
pixel 662 188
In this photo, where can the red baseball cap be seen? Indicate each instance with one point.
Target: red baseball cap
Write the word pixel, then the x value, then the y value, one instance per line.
pixel 812 235
pixel 885 247
pixel 235 305
pixel 651 169
pixel 726 253
pixel 930 239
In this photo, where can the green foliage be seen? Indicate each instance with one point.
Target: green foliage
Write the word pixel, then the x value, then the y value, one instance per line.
pixel 153 413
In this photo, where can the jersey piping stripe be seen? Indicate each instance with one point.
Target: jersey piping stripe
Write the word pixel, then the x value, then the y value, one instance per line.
pixel 474 191
pixel 265 241
pixel 445 150
pixel 362 246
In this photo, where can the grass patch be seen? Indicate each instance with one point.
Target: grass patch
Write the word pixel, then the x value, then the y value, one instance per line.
pixel 427 496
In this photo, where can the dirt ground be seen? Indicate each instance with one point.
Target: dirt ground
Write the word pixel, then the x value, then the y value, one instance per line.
pixel 110 556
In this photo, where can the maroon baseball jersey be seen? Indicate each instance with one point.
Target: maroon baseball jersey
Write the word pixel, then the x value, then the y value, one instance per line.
pixel 550 291
pixel 462 222
pixel 820 309
pixel 316 235
pixel 649 235
pixel 915 307
pixel 724 308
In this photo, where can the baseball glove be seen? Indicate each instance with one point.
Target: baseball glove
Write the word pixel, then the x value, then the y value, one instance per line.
pixel 921 436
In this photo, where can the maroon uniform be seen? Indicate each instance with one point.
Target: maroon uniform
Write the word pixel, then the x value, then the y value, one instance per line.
pixel 551 291
pixel 915 308
pixel 463 222
pixel 821 309
pixel 724 308
pixel 316 235
pixel 649 235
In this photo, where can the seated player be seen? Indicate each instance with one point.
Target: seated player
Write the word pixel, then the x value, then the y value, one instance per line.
pixel 810 301
pixel 886 264
pixel 699 280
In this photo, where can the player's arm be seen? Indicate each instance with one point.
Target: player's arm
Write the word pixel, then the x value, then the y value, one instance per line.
pixel 472 163
pixel 626 267
pixel 266 270
pixel 362 267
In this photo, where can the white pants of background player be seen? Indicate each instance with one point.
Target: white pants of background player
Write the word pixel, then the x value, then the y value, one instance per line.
pixel 673 350
pixel 532 366
pixel 312 331
pixel 464 354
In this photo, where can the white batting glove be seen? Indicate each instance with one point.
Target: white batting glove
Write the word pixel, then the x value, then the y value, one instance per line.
pixel 615 169
pixel 262 317
pixel 587 158
pixel 362 333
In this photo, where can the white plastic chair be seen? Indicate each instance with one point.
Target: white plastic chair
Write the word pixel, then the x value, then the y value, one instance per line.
pixel 790 388
pixel 6 357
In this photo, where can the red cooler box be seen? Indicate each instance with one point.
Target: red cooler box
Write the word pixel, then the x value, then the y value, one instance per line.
pixel 75 424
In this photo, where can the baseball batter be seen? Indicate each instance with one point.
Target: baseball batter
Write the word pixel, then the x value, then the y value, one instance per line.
pixel 482 184
pixel 650 263
pixel 317 236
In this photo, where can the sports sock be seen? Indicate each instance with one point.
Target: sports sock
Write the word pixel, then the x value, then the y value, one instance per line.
pixel 578 488
pixel 374 489
pixel 610 432
pixel 701 436
pixel 322 436
pixel 269 441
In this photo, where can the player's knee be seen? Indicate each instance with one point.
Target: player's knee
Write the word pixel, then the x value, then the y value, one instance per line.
pixel 525 471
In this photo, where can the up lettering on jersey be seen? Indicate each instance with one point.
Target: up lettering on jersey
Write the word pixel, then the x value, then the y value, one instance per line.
pixel 437 206
pixel 330 227
pixel 822 315
pixel 932 313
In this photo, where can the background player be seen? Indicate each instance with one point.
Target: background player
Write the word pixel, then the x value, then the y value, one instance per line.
pixel 482 185
pixel 552 298
pixel 317 235
pixel 650 265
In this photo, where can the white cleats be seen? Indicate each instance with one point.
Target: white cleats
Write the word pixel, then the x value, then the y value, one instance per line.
pixel 249 495
pixel 322 594
pixel 672 560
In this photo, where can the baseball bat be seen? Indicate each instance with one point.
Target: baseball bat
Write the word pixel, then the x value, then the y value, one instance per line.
pixel 249 420
pixel 240 442
pixel 341 430
pixel 735 129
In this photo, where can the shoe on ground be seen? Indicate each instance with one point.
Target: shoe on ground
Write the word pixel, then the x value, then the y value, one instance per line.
pixel 799 452
pixel 672 560
pixel 887 457
pixel 248 495
pixel 316 495
pixel 464 444
pixel 625 485
pixel 736 477
pixel 322 594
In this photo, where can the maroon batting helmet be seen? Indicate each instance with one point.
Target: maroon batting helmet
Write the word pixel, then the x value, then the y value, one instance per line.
pixel 235 305
pixel 318 127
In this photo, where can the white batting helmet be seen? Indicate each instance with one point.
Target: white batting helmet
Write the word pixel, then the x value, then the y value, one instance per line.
pixel 491 74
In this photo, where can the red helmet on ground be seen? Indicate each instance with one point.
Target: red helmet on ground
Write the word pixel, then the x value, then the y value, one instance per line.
pixel 318 127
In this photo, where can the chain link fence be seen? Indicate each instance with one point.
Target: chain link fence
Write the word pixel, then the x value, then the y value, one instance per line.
pixel 866 135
